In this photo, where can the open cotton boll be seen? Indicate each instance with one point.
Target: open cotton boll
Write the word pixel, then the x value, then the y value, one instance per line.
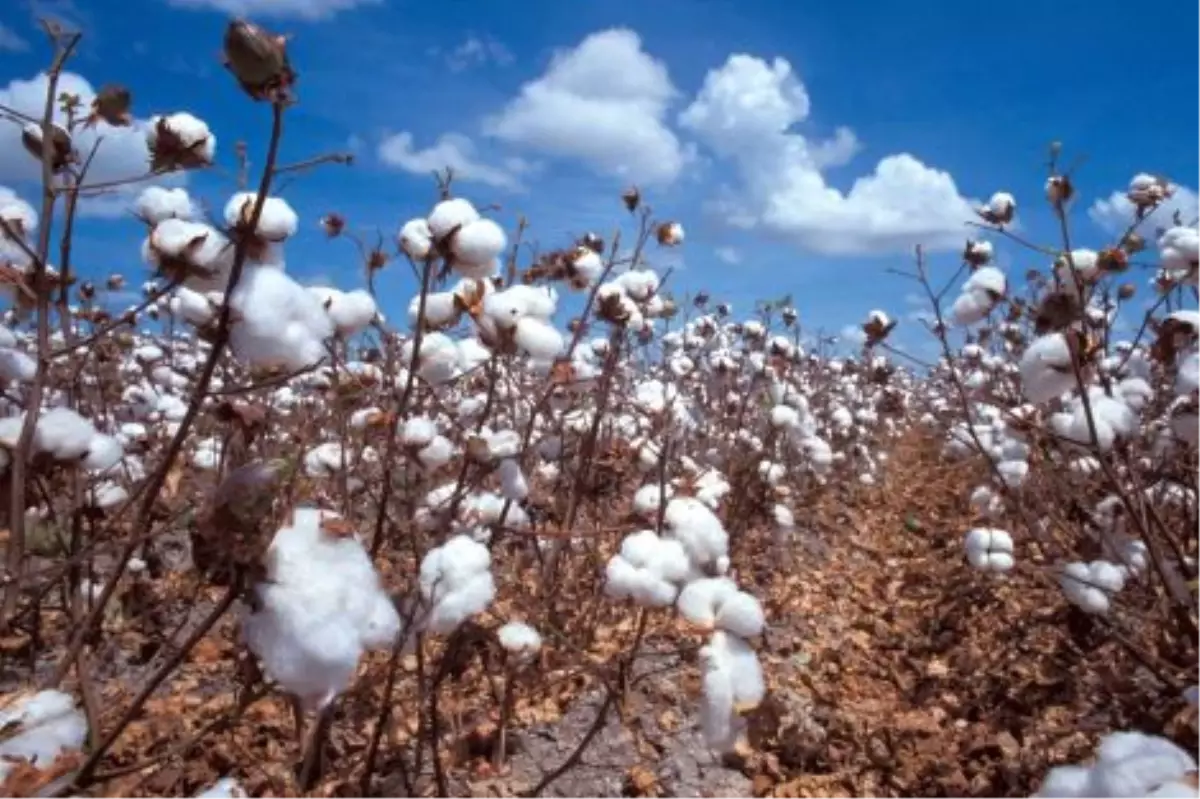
pixel 191 306
pixel 442 310
pixel 321 607
pixel 449 215
pixel 279 323
pixel 103 453
pixel 478 242
pixel 198 252
pixel 970 308
pixel 512 481
pixel 732 682
pixel 989 549
pixel 63 433
pixel 1045 368
pixel 695 526
pixel 716 602
pixel 16 366
pixel 417 431
pixel 415 239
pixel 648 499
pixel 520 640
pixel 325 460
pixel 1086 266
pixel 350 311
pixel 38 728
pixel 538 339
pixel 22 219
pixel 456 582
pixel 227 788
pixel 276 222
pixel 647 570
pixel 436 454
pixel 438 360
pixel 156 204
pixel 1127 764
pixel 1091 586
pixel 639 284
pixel 191 135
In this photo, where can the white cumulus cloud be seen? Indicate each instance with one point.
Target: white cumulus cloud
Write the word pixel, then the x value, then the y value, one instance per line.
pixel 604 103
pixel 745 112
pixel 451 150
pixel 728 255
pixel 298 9
pixel 122 153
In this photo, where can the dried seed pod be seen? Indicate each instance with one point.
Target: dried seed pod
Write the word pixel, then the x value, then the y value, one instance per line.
pixel 112 105
pixel 259 61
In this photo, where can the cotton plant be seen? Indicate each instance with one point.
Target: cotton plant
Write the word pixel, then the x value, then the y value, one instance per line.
pixel 1092 586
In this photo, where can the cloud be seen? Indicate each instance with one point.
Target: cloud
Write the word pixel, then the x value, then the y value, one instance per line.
pixel 604 103
pixel 852 335
pixel 299 9
pixel 745 112
pixel 1116 213
pixel 477 51
pixel 728 255
pixel 122 153
pixel 455 151
pixel 11 41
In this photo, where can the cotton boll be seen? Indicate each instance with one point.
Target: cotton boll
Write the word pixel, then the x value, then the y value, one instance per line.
pixel 276 222
pixel 180 133
pixel 320 608
pixel 732 682
pixel 436 454
pixel 39 728
pixel 456 581
pixel 351 312
pixel 1091 586
pixel 478 242
pixel 415 239
pixel 648 499
pixel 700 600
pixel 449 215
pixel 540 340
pixel 156 204
pixel 417 431
pixel 1045 368
pixel 280 323
pixel 990 549
pixel 63 433
pixel 699 531
pixel 104 452
pixel 16 366
pixel 520 640
pixel 227 788
pixel 196 252
pixel 1127 764
pixel 970 308
pixel 442 310
pixel 512 481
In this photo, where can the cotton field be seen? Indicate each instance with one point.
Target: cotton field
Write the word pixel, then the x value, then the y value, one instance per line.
pixel 267 538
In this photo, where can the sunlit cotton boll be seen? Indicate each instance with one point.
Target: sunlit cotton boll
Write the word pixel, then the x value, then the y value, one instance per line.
pixel 456 583
pixel 279 322
pixel 321 607
pixel 38 728
pixel 449 216
pixel 276 222
pixel 156 204
pixel 415 239
pixel 989 549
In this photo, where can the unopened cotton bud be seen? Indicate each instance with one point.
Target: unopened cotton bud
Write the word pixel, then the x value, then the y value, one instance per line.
pixel 670 234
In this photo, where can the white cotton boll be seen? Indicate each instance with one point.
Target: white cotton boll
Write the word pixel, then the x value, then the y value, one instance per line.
pixel 106 494
pixel 415 239
pixel 438 359
pixel 1013 472
pixel 1187 374
pixel 472 354
pixel 1045 368
pixel 104 452
pixel 784 416
pixel 448 215
pixel 324 460
pixel 193 135
pixel 648 499
pixel 970 308
pixel 989 281
pixel 506 308
pixel 520 640
pixel 478 242
pixel 351 312
pixel 540 340
pixel 227 788
pixel 456 580
pixel 436 454
pixel 276 222
pixel 63 433
pixel 584 267
pixel 156 204
pixel 39 728
pixel 16 366
pixel 1179 249
pixel 191 306
pixel 700 600
pixel 417 431
pixel 986 502
pixel 1066 782
pixel 1086 264
pixel 512 481
pixel 719 721
pixel 204 251
pixel 321 606
pixel 442 310
pixel 989 549
pixel 1091 586
pixel 1127 764
pixel 695 526
pixel 639 284
pixel 742 615
pixel 280 323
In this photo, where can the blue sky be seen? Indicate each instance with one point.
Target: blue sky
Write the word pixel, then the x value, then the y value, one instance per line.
pixel 727 113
